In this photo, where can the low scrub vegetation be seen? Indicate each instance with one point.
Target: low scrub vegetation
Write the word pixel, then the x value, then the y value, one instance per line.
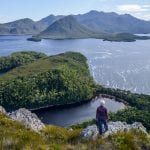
pixel 55 80
pixel 15 136
pixel 17 59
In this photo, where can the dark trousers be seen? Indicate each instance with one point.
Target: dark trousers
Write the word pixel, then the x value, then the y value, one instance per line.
pixel 100 124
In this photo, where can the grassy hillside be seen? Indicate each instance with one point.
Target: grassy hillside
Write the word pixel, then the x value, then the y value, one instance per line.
pixel 15 136
pixel 17 59
pixel 54 80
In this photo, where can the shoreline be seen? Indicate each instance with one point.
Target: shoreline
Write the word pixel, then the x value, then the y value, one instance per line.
pixel 63 106
pixel 60 106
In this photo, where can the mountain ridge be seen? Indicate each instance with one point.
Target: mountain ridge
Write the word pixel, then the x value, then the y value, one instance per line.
pixel 21 27
pixel 67 27
pixel 70 28
pixel 113 22
pixel 110 22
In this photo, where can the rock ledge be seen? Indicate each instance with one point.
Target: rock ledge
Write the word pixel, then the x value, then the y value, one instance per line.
pixel 113 127
pixel 27 118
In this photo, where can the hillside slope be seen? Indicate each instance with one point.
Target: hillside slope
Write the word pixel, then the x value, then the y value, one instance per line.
pixel 18 59
pixel 67 27
pixel 47 21
pixel 110 22
pixel 54 80
pixel 93 20
pixel 21 27
pixel 113 22
pixel 14 135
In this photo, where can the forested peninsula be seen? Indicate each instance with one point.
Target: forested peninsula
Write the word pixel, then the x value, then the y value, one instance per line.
pixel 33 80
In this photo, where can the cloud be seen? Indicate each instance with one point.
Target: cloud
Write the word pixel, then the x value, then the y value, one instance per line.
pixel 146 17
pixel 133 8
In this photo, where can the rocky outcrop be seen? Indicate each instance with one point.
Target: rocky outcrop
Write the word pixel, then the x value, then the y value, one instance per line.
pixel 113 127
pixel 2 109
pixel 27 118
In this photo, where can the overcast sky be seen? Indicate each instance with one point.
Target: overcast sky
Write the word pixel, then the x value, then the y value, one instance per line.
pixel 36 9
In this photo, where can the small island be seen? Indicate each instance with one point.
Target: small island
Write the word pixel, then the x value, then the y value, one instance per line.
pixel 34 39
pixel 124 37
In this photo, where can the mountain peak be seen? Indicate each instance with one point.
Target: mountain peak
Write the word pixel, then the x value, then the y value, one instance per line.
pixel 68 20
pixel 50 19
pixel 93 12
pixel 67 27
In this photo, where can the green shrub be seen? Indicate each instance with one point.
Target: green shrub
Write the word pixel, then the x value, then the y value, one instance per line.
pixel 17 59
pixel 55 80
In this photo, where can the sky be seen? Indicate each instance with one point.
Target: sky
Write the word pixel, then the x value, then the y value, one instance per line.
pixel 11 10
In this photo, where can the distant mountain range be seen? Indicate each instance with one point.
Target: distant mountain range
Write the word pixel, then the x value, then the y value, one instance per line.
pixel 20 27
pixel 90 23
pixel 112 22
pixel 67 27
pixel 70 28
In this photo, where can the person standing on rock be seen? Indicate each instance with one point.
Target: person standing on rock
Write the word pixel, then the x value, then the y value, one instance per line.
pixel 101 117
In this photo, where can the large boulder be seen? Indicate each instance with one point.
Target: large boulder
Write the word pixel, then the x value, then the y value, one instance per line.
pixel 2 109
pixel 27 118
pixel 113 127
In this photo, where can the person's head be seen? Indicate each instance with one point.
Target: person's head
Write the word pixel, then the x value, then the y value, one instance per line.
pixel 102 102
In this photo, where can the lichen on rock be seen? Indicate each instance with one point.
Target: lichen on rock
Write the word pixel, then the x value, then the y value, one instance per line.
pixel 113 127
pixel 27 118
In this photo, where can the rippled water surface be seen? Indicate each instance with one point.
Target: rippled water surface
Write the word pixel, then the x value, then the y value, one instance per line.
pixel 124 65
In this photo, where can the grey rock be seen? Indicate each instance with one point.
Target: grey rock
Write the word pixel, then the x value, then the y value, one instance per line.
pixel 113 127
pixel 2 109
pixel 27 118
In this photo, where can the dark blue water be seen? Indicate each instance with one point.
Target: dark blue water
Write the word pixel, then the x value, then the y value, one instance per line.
pixel 68 116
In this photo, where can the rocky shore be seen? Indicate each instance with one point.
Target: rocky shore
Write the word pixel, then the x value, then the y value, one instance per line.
pixel 30 120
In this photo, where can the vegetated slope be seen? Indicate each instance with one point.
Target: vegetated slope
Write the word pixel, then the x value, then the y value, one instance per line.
pixel 113 22
pixel 17 59
pixel 67 27
pixel 14 135
pixel 60 79
pixel 21 27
